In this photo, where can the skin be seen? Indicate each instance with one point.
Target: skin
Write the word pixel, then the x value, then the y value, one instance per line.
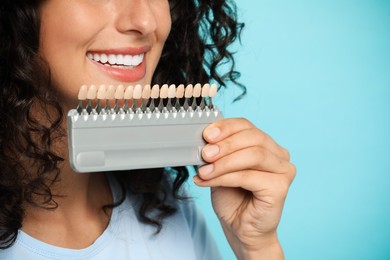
pixel 250 175
pixel 248 172
pixel 101 25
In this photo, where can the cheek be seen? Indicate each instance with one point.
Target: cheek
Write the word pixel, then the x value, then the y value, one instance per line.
pixel 65 32
pixel 164 21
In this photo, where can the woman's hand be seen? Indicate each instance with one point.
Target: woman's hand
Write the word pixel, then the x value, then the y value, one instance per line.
pixel 249 175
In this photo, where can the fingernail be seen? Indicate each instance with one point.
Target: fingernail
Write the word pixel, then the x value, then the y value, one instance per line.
pixel 206 170
pixel 211 150
pixel 197 179
pixel 212 133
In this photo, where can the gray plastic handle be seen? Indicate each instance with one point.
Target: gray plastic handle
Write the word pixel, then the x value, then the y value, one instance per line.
pixel 137 141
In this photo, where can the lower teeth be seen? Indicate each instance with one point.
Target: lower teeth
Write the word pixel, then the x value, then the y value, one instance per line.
pixel 119 66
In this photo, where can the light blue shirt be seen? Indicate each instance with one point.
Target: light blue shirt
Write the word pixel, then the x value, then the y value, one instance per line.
pixel 183 236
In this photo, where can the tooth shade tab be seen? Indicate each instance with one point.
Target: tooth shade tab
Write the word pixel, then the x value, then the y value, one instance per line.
pixel 189 91
pixel 180 91
pixel 101 94
pixel 205 90
pixel 146 92
pixel 83 92
pixel 166 93
pixel 137 94
pixel 92 92
pixel 155 91
pixel 213 90
pixel 110 94
pixel 172 91
pixel 197 90
pixel 120 92
pixel 128 92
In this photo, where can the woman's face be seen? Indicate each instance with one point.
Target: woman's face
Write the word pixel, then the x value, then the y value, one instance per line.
pixel 102 41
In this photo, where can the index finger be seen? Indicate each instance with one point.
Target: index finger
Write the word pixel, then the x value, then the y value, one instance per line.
pixel 225 129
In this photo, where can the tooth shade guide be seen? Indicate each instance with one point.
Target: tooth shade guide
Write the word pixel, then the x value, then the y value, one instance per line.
pixel 143 98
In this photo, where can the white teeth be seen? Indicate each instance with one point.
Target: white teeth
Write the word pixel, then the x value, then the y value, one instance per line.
pixel 96 57
pixel 103 58
pixel 128 60
pixel 112 59
pixel 120 59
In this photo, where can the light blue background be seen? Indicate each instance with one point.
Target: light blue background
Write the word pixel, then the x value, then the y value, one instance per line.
pixel 318 78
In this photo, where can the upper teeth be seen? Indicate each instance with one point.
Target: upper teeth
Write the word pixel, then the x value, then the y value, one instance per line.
pixel 120 59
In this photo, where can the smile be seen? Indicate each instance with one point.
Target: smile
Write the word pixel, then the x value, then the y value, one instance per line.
pixel 126 65
pixel 117 60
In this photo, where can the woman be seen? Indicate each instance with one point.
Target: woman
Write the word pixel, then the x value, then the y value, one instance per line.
pixel 47 51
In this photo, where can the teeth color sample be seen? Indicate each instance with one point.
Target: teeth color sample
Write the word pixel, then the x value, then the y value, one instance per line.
pixel 155 92
pixel 164 91
pixel 110 94
pixel 172 91
pixel 213 90
pixel 119 92
pixel 180 91
pixel 101 94
pixel 137 94
pixel 83 92
pixel 189 91
pixel 205 90
pixel 197 90
pixel 147 92
pixel 92 91
pixel 129 92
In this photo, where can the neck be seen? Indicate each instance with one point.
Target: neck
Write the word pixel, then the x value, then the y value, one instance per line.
pixel 79 218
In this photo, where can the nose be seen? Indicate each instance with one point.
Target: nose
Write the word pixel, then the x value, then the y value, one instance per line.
pixel 136 16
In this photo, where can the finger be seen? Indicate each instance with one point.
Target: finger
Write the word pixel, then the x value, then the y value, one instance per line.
pixel 254 181
pixel 253 158
pixel 241 140
pixel 225 128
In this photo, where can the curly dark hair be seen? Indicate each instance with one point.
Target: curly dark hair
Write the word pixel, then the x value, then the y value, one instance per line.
pixel 201 33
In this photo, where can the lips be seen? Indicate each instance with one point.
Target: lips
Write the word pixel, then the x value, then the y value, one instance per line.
pixel 126 64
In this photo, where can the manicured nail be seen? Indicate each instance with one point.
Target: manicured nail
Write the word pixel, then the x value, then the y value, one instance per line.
pixel 197 179
pixel 212 133
pixel 206 170
pixel 211 150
